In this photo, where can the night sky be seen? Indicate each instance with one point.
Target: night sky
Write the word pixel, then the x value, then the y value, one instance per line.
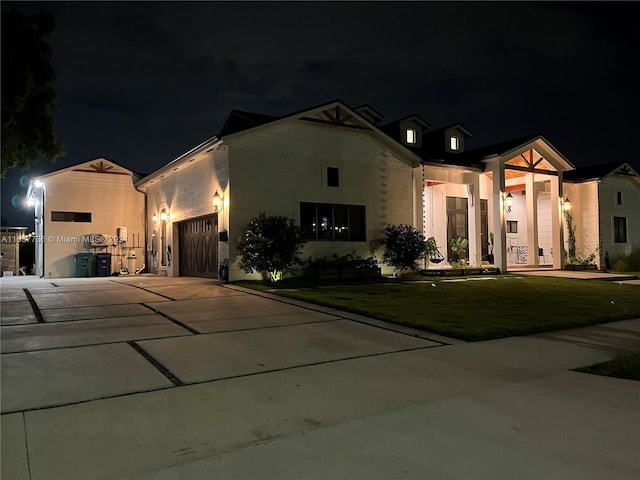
pixel 140 83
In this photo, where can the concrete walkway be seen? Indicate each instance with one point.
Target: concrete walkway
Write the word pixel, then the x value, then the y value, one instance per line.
pixel 161 378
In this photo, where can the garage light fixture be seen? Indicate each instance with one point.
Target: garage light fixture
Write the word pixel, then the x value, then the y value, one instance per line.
pixel 218 202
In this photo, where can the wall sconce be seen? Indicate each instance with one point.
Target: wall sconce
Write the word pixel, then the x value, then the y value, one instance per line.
pixel 218 202
pixel 164 216
pixel 155 218
pixel 508 202
pixel 566 204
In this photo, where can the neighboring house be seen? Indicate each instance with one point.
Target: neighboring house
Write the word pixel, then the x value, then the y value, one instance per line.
pixel 606 200
pixel 91 207
pixel 344 177
pixel 10 239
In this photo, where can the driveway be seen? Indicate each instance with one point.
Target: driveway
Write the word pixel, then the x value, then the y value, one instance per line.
pixel 149 377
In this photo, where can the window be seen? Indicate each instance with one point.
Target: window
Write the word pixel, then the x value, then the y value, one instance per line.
pixel 455 143
pixel 333 177
pixel 322 221
pixel 619 198
pixel 620 229
pixel 411 135
pixel 512 226
pixel 71 217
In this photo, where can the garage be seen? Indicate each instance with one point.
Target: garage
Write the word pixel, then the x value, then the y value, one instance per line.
pixel 197 244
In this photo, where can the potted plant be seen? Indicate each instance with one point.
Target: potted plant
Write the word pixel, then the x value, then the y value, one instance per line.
pixel 430 251
pixel 458 248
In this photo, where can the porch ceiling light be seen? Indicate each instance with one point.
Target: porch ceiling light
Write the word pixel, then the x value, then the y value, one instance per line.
pixel 217 202
pixel 508 202
pixel 566 204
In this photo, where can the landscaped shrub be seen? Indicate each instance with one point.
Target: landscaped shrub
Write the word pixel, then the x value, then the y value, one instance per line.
pixel 270 245
pixel 342 264
pixel 405 246
pixel 627 263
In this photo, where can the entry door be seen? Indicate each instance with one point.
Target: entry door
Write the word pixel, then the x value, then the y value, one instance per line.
pixel 457 221
pixel 198 242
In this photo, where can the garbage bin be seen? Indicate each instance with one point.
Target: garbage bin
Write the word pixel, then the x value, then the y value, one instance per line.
pixel 131 262
pixel 103 264
pixel 84 264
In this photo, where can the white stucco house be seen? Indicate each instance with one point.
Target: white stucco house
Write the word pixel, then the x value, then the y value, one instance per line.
pixel 344 174
pixel 91 207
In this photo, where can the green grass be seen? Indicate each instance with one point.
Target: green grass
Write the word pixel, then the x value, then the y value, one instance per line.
pixel 626 366
pixel 479 310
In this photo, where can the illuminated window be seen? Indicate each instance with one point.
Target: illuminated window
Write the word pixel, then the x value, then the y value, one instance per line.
pixel 620 229
pixel 455 143
pixel 322 221
pixel 411 135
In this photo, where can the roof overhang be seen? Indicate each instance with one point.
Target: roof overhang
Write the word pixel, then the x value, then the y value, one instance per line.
pixel 195 154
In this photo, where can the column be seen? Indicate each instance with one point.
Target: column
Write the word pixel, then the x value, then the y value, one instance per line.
pixel 557 222
pixel 532 219
pixel 498 217
pixel 474 218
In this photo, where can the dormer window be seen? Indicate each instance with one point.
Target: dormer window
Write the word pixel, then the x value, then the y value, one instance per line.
pixel 455 143
pixel 411 135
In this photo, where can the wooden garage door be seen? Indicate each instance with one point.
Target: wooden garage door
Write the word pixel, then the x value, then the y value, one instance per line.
pixel 198 240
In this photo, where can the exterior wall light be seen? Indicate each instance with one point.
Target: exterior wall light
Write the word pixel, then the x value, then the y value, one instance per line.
pixel 566 204
pixel 164 216
pixel 217 202
pixel 155 218
pixel 508 202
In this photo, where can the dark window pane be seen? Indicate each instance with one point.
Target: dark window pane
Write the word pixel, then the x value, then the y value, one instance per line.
pixel 620 229
pixel 357 225
pixel 71 217
pixel 308 221
pixel 325 222
pixel 333 179
pixel 341 223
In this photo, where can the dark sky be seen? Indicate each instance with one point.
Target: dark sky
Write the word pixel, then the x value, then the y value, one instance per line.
pixel 140 83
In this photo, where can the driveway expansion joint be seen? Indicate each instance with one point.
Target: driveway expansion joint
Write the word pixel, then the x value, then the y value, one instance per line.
pixel 171 319
pixel 34 306
pixel 159 366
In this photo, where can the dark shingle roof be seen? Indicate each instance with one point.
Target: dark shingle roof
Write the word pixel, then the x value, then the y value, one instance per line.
pixel 238 121
pixel 592 172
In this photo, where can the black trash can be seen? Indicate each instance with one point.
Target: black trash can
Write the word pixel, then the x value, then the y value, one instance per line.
pixel 84 264
pixel 103 264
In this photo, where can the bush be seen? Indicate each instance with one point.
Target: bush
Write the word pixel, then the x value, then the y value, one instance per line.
pixel 627 263
pixel 271 245
pixel 405 246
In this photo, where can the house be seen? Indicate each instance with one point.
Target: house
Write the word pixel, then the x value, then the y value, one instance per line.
pixel 343 174
pixel 606 200
pixel 344 177
pixel 92 207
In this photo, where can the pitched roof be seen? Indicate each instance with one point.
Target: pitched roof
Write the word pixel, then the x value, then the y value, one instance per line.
pixel 239 120
pixel 597 172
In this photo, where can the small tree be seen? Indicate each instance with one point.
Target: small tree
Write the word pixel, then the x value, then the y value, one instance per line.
pixel 573 258
pixel 405 246
pixel 270 245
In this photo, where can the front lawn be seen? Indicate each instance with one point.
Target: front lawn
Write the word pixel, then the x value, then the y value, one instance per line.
pixel 626 365
pixel 494 307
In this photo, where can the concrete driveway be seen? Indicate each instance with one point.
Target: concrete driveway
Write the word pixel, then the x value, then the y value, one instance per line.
pixel 164 378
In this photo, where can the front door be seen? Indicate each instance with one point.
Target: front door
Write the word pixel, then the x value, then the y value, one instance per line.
pixel 457 223
pixel 198 242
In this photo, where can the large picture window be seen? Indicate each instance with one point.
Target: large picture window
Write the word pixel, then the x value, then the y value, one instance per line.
pixel 323 221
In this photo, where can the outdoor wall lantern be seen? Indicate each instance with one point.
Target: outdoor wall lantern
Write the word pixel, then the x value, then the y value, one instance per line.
pixel 566 204
pixel 155 218
pixel 508 202
pixel 164 216
pixel 217 202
